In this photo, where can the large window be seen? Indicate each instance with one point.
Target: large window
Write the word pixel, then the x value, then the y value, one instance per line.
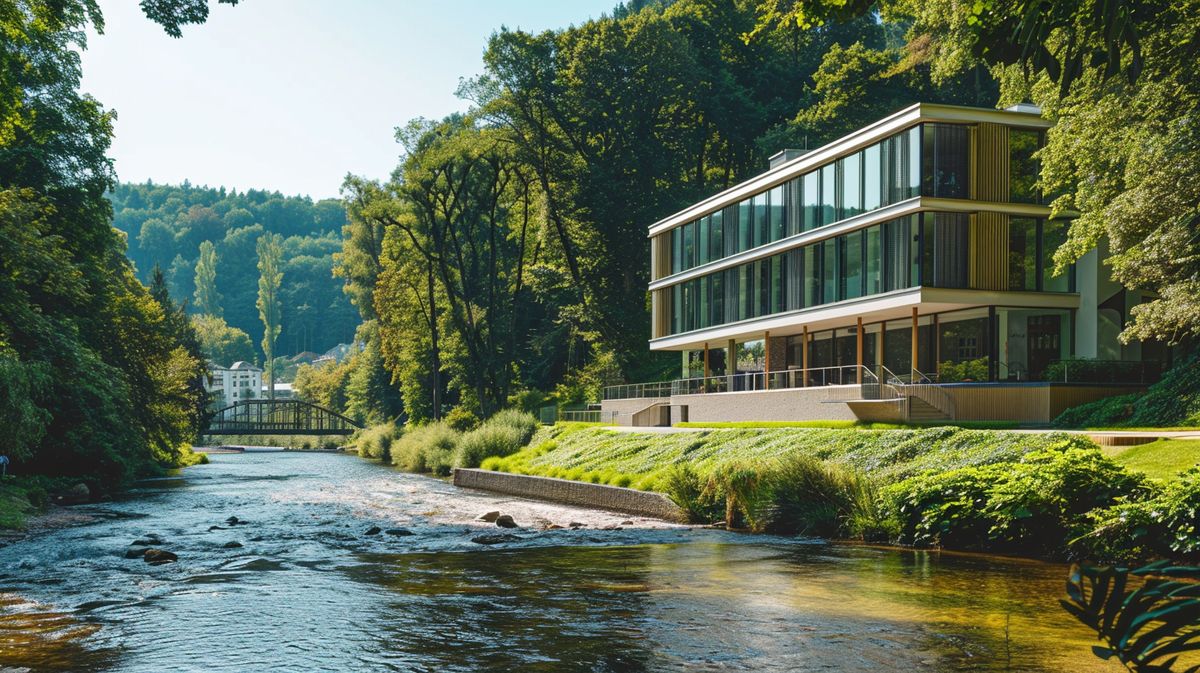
pixel 945 262
pixel 945 157
pixel 851 263
pixel 1054 234
pixel 1022 254
pixel 894 169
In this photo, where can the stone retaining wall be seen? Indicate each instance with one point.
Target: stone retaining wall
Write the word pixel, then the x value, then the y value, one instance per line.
pixel 615 498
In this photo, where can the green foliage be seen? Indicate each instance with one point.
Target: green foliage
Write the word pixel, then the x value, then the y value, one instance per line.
pixel 270 253
pixel 462 419
pixel 807 496
pixel 220 343
pixel 967 370
pixel 1145 625
pixel 1164 524
pixel 208 300
pixel 376 441
pixel 167 225
pixel 689 490
pixel 1034 506
pixel 1172 401
pixel 503 434
pixel 426 448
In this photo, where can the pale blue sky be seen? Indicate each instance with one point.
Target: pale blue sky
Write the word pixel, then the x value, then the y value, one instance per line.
pixel 292 94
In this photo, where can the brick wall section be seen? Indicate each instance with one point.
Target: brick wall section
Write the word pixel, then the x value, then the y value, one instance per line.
pixel 627 500
pixel 778 346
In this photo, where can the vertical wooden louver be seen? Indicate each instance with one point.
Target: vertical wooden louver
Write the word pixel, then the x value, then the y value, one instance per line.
pixel 989 231
pixel 660 256
pixel 660 313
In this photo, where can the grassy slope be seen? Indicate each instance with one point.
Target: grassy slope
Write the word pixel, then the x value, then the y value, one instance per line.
pixel 841 425
pixel 640 460
pixel 1162 459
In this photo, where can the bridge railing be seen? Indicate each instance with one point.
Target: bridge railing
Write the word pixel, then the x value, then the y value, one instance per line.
pixel 278 417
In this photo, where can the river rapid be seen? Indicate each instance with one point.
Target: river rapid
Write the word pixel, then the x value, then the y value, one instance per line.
pixel 309 590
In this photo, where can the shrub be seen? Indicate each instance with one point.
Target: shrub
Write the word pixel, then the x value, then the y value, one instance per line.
pixel 461 419
pixel 376 441
pixel 967 370
pixel 501 435
pixel 426 448
pixel 1032 506
pixel 1042 501
pixel 1164 523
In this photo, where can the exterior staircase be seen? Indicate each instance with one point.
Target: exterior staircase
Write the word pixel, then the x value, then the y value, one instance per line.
pixel 920 411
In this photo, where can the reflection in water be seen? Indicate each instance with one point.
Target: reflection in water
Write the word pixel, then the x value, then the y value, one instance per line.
pixel 308 590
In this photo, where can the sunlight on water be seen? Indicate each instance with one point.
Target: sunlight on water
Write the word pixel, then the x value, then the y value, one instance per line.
pixel 307 589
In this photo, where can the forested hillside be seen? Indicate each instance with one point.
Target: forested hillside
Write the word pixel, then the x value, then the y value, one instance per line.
pixel 508 254
pixel 168 225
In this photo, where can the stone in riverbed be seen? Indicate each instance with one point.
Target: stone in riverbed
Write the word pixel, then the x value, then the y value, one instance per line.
pixel 76 495
pixel 490 517
pixel 506 521
pixel 135 552
pixel 159 557
pixel 495 538
pixel 148 541
pixel 399 532
pixel 232 544
pixel 576 524
pixel 373 530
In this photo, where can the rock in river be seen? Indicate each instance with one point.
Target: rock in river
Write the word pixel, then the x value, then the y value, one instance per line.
pixel 76 495
pixel 159 557
pixel 495 538
pixel 135 552
pixel 232 544
pixel 490 517
pixel 148 541
pixel 399 532
pixel 373 530
pixel 505 521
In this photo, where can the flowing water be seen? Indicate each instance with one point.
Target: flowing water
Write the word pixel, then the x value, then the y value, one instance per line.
pixel 308 590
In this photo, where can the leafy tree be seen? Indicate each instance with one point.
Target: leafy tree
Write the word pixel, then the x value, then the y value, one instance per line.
pixel 208 300
pixel 270 278
pixel 220 343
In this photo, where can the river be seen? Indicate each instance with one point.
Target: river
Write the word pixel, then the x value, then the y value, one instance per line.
pixel 308 590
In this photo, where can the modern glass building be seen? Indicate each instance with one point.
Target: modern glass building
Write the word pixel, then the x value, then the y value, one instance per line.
pixel 918 244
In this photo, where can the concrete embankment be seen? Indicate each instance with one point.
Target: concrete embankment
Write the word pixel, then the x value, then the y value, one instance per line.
pixel 615 498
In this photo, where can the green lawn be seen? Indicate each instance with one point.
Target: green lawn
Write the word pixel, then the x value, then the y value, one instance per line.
pixel 1162 459
pixel 642 459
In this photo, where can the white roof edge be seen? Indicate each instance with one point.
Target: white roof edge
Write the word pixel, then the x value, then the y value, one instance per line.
pixel 897 121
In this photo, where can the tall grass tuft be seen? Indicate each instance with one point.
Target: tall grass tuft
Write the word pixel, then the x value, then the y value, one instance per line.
pixel 426 448
pixel 806 496
pixel 376 441
pixel 502 435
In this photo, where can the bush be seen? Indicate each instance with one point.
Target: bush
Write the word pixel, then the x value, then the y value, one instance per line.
pixel 503 434
pixel 1165 523
pixel 426 448
pixel 376 441
pixel 1032 506
pixel 967 370
pixel 461 419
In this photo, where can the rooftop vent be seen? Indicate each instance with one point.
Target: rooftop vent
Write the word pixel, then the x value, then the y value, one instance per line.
pixel 1027 108
pixel 783 156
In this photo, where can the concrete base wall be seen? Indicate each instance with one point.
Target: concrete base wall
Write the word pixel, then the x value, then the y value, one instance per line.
pixel 796 404
pixel 1025 402
pixel 614 498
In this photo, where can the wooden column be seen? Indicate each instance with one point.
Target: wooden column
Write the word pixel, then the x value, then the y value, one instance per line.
pixel 937 346
pixel 804 358
pixel 915 331
pixel 766 360
pixel 860 350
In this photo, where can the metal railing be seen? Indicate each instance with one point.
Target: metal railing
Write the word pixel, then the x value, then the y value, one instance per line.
pixel 927 389
pixel 777 380
pixel 589 416
pixel 1103 371
pixel 630 391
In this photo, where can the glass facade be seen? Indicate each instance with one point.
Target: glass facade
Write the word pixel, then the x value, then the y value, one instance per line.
pixel 1031 246
pixel 887 172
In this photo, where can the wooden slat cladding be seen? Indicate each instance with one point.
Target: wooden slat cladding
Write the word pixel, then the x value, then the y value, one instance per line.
pixel 660 256
pixel 990 169
pixel 989 251
pixel 989 231
pixel 660 313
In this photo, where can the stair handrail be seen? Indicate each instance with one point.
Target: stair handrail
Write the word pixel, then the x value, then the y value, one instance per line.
pixel 927 389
